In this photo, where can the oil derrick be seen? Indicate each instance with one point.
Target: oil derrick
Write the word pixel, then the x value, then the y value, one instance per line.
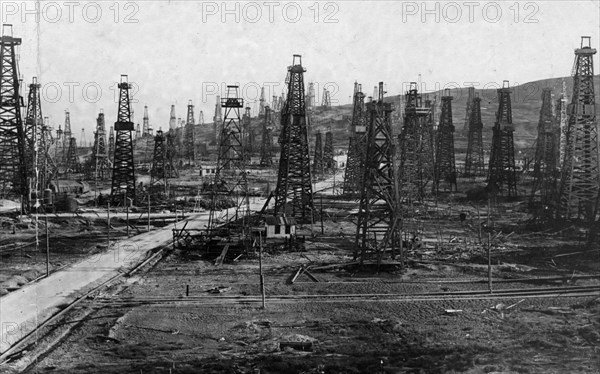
pixel 138 132
pixel 247 134
pixel 100 161
pixel 357 144
pixel 445 166
pixel 274 107
pixel 13 168
pixel 72 163
pixel 201 118
pixel 580 170
pixel 310 98
pixel 189 145
pixel 470 97
pixel 563 119
pixel 111 145
pixel 378 227
pixel 261 106
pixel 502 169
pixel 474 164
pixel 67 134
pixel 230 185
pixel 34 153
pixel 123 178
pixel 328 160
pixel 416 138
pixel 217 119
pixel 158 174
pixel 546 163
pixel 48 170
pixel 266 150
pixel 146 131
pixel 172 119
pixel 293 194
pixel 318 158
pixel 326 101
pixel 171 152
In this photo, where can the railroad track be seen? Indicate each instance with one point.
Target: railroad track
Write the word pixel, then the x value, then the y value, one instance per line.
pixel 26 341
pixel 549 292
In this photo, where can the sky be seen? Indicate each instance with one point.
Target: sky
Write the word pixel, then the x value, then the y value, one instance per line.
pixel 175 51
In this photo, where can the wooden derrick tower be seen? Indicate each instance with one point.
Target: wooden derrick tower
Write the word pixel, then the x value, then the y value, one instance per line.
pixel 580 177
pixel 100 161
pixel 328 160
pixel 158 173
pixel 266 150
pixel 230 185
pixel 445 164
pixel 356 144
pixel 318 158
pixel 545 166
pixel 293 195
pixel 188 142
pixel 474 163
pixel 378 227
pixel 123 178
pixel 416 147
pixel 502 177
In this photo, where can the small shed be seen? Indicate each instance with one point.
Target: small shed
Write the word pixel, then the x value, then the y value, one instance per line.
pixel 280 226
pixel 208 170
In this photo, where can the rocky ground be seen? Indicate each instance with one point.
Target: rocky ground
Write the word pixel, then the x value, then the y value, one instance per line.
pixel 210 331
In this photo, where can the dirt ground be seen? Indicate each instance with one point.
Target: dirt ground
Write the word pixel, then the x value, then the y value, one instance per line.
pixel 207 332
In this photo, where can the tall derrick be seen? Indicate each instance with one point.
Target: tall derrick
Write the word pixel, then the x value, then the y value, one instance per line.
pixel 189 144
pixel 48 170
pixel 318 158
pixel 274 103
pixel 13 167
pixel 201 118
pixel 545 163
pixel 310 97
pixel 146 123
pixel 445 164
pixel 171 153
pixel 34 153
pixel 111 144
pixel 158 174
pixel 123 178
pixel 247 136
pixel 469 109
pixel 266 150
pixel 356 144
pixel 67 134
pixel 138 132
pixel 217 118
pixel 563 120
pixel 502 170
pixel 230 184
pixel 293 194
pixel 100 161
pixel 416 146
pixel 261 107
pixel 581 170
pixel 172 119
pixel 326 100
pixel 378 227
pixel 474 164
pixel 328 160
pixel 72 162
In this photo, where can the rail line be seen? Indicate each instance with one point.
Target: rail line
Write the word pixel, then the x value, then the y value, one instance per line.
pixel 582 291
pixel 22 344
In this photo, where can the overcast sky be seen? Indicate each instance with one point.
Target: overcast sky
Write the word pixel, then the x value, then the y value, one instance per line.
pixel 180 50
